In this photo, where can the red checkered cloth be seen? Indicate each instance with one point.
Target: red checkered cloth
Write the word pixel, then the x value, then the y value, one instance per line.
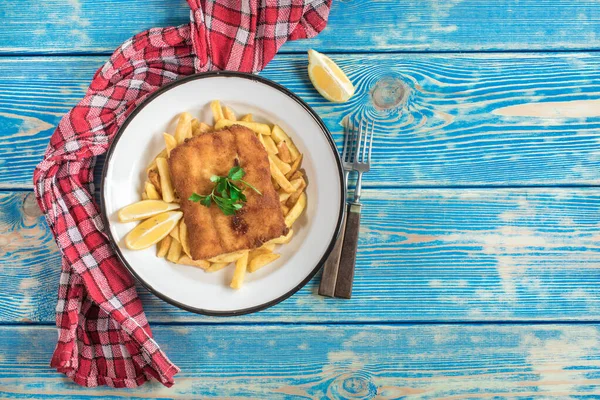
pixel 104 336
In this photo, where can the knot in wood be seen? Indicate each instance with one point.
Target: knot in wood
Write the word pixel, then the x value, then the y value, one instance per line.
pixel 389 92
pixel 352 386
pixel 30 207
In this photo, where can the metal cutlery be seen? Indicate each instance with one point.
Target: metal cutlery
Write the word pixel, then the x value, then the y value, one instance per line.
pixel 338 275
pixel 361 163
pixel 330 269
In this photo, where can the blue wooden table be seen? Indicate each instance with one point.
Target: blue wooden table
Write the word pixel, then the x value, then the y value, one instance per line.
pixel 479 265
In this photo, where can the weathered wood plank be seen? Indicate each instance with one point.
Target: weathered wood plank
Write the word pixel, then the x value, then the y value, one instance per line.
pixel 335 362
pixel 492 119
pixel 427 255
pixel 56 26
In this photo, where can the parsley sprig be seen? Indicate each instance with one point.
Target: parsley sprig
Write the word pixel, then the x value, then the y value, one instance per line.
pixel 228 196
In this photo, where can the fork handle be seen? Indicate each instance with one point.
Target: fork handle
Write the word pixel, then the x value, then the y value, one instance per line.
pixel 331 267
pixel 343 286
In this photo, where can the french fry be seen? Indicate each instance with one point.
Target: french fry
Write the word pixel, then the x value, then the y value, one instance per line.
pixel 247 118
pixel 283 239
pixel 261 260
pixel 279 135
pixel 187 260
pixel 200 129
pixel 183 238
pixel 295 166
pixel 262 129
pixel 284 152
pixel 296 210
pixel 195 127
pixel 151 191
pixel 297 175
pixel 228 257
pixel 283 196
pixel 204 128
pixel 280 177
pixel 268 144
pixel 184 128
pixel 174 251
pixel 285 209
pixel 262 141
pixel 214 267
pixel 293 199
pixel 144 196
pixel 175 233
pixel 275 184
pixel 229 114
pixel 240 271
pixel 267 247
pixel 298 182
pixel 152 165
pixel 170 143
pixel 301 185
pixel 217 111
pixel 166 186
pixel 163 247
pixel 257 252
pixel 283 167
pixel 154 179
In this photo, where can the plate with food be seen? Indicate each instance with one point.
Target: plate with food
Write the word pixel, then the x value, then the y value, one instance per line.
pixel 223 193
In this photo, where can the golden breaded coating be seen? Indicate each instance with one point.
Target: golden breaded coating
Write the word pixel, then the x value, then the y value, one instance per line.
pixel 210 232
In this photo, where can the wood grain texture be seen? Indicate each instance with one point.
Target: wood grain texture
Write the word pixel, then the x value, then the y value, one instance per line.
pixel 426 255
pixel 477 258
pixel 77 26
pixel 335 362
pixel 442 120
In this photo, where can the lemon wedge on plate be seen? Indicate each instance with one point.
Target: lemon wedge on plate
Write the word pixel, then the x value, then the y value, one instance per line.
pixel 152 230
pixel 329 80
pixel 144 209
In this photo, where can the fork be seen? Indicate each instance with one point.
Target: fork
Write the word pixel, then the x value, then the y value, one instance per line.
pixel 361 163
pixel 330 270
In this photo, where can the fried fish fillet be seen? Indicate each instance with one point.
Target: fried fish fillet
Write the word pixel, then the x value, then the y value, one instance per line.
pixel 210 232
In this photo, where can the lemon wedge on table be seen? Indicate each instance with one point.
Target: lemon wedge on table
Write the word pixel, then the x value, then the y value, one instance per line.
pixel 329 79
pixel 152 230
pixel 144 209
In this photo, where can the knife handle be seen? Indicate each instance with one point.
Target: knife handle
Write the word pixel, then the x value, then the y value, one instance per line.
pixel 343 286
pixel 331 267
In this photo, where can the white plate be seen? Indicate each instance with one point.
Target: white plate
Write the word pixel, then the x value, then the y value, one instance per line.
pixel 140 139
